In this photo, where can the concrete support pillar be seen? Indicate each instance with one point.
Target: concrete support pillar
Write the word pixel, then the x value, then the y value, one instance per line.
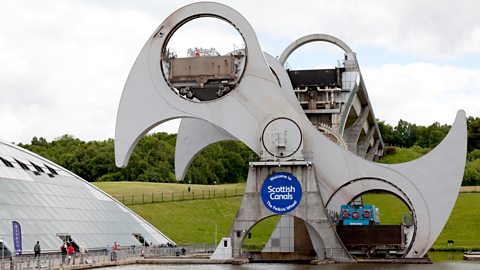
pixel 352 133
pixel 363 145
pixel 373 153
pixel 310 209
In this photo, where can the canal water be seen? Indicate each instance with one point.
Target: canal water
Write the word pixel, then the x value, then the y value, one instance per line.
pixel 458 265
pixel 442 261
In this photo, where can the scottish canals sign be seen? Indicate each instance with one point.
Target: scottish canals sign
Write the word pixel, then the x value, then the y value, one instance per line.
pixel 281 192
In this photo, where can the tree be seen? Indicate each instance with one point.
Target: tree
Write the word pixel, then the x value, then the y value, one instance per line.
pixel 473 125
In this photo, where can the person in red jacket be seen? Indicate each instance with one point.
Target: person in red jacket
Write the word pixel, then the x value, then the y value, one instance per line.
pixel 115 250
pixel 71 253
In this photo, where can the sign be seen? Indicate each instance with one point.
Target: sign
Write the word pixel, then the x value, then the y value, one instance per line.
pixel 281 192
pixel 17 237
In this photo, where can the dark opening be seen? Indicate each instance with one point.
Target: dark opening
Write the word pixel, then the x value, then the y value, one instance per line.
pixel 23 165
pixel 53 171
pixel 38 168
pixel 6 162
pixel 141 239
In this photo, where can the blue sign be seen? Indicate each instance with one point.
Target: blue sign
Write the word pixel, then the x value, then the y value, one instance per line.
pixel 281 192
pixel 17 237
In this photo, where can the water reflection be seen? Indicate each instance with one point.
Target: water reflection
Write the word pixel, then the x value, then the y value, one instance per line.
pixel 264 266
pixel 440 256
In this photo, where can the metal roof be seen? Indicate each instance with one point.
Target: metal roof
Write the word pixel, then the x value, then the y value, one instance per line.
pixel 48 201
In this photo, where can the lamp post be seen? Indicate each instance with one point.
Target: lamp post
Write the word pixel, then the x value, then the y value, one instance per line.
pixel 215 234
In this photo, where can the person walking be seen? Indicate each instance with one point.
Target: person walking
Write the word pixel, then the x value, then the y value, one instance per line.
pixel 71 253
pixel 83 251
pixel 37 251
pixel 63 250
pixel 115 250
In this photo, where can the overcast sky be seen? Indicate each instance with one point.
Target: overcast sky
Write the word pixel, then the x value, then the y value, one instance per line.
pixel 63 64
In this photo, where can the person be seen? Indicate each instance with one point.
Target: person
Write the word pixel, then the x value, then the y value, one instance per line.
pixel 115 249
pixel 83 250
pixel 63 250
pixel 37 251
pixel 71 253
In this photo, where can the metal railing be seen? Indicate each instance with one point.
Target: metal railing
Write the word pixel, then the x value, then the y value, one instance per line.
pixel 161 197
pixel 183 250
pixel 57 260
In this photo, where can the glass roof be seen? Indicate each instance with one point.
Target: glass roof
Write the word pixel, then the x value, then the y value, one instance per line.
pixel 47 205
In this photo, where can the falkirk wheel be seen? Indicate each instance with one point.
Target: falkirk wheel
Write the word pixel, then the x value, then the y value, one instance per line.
pixel 315 154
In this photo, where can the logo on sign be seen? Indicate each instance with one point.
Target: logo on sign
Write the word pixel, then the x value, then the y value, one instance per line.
pixel 281 192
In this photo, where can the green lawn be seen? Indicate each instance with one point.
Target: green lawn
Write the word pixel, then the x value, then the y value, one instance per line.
pixel 391 208
pixel 189 222
pixel 194 221
pixel 403 155
pixel 462 226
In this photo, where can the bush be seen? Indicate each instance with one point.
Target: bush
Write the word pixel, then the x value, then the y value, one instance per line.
pixel 472 173
pixel 390 150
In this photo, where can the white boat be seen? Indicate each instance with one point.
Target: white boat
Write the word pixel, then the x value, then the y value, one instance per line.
pixel 472 256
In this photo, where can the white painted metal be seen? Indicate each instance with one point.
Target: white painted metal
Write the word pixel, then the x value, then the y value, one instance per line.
pixel 430 183
pixel 194 134
pixel 281 138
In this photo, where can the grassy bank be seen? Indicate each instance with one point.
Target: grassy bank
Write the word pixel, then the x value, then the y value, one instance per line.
pixel 194 221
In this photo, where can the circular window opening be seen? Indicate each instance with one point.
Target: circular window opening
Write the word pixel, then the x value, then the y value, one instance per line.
pixel 204 59
pixel 376 224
